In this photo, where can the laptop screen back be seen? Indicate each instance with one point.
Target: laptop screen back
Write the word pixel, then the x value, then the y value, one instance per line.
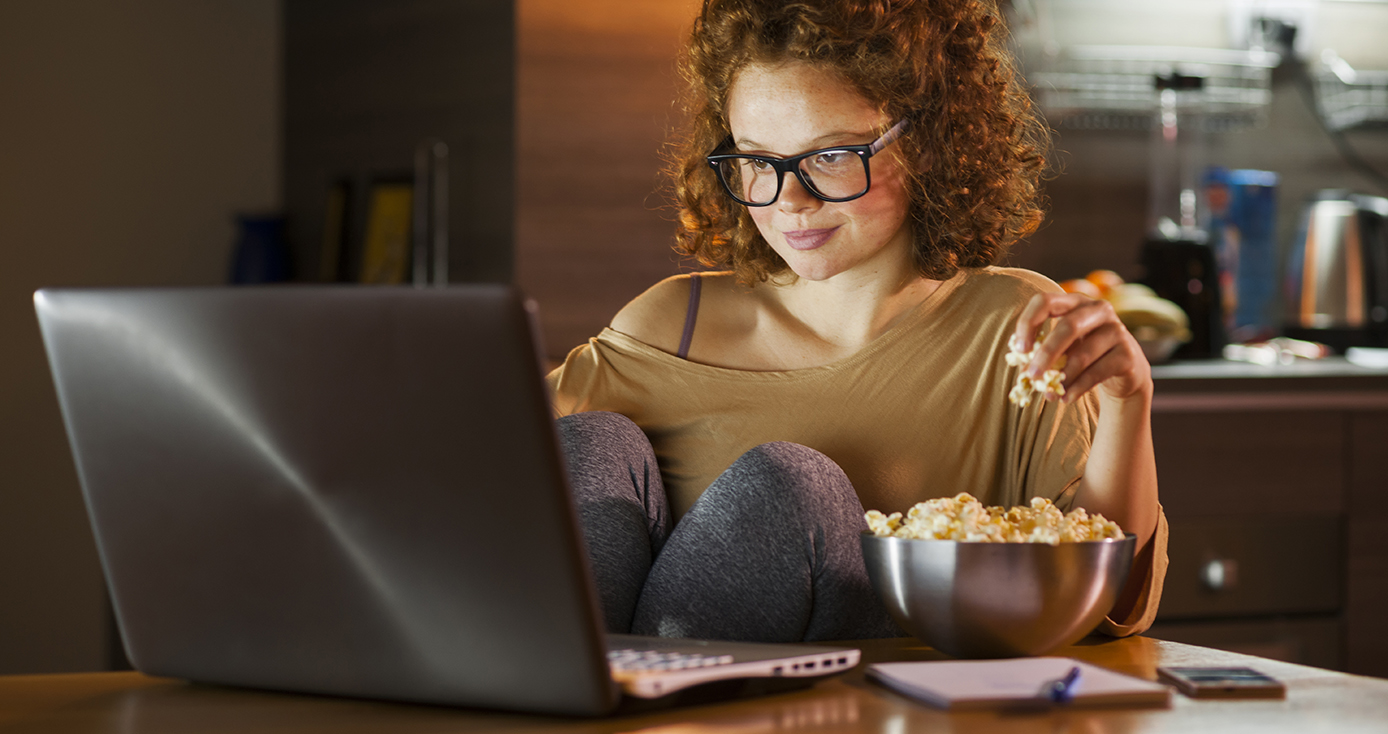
pixel 333 489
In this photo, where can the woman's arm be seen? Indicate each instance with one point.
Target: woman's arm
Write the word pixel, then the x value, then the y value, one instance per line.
pixel 1120 477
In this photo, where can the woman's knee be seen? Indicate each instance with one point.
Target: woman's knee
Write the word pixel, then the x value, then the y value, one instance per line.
pixel 599 425
pixel 786 459
pixel 599 437
pixel 794 472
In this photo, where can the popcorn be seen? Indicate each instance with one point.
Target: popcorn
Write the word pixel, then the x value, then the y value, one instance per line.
pixel 963 517
pixel 1051 381
pixel 883 525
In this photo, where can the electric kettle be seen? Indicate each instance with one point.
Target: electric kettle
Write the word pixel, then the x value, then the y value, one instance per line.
pixel 1335 286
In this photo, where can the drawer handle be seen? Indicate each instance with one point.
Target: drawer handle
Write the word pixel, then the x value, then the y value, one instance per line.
pixel 1219 574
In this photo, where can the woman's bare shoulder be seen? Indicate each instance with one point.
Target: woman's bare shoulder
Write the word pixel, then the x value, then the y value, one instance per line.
pixel 656 317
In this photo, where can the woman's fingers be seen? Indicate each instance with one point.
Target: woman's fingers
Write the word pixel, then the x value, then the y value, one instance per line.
pixel 1042 306
pixel 1070 326
pixel 1086 351
pixel 1101 355
pixel 1115 364
pixel 1097 347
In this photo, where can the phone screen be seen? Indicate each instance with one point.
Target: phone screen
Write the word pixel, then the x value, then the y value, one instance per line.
pixel 1206 682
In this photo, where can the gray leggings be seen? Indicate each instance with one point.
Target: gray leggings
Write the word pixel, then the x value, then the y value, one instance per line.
pixel 769 552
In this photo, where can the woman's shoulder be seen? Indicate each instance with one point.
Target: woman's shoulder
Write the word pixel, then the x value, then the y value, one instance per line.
pixel 657 316
pixel 995 285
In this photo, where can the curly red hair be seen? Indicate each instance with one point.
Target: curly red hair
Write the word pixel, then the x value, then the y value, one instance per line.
pixel 938 63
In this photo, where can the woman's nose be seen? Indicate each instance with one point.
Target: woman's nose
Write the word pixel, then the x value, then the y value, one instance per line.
pixel 794 196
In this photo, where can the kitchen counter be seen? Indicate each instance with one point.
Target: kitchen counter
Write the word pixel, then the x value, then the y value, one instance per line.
pixel 1223 369
pixel 1222 385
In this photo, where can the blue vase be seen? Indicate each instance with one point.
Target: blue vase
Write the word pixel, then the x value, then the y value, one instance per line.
pixel 261 254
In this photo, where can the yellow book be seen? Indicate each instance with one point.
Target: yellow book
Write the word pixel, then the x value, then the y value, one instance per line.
pixel 386 250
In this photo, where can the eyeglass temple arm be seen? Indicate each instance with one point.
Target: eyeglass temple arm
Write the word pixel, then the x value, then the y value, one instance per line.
pixel 889 137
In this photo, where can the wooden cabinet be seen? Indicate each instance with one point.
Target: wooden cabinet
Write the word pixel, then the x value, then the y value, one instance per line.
pixel 1254 565
pixel 1275 484
pixel 1366 597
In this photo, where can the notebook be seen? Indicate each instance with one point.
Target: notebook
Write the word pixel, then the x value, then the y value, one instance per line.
pixel 353 491
pixel 990 684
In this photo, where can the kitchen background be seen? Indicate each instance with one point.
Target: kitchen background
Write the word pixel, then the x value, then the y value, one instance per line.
pixel 133 131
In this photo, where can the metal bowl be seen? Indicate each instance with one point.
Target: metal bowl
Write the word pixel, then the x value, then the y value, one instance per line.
pixel 988 600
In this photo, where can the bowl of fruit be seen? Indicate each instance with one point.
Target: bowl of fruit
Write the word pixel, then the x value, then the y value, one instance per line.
pixel 1158 325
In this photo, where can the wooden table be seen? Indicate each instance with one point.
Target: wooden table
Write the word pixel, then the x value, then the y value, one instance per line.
pixel 1317 700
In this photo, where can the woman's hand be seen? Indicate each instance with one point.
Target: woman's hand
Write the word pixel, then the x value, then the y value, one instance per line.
pixel 1099 350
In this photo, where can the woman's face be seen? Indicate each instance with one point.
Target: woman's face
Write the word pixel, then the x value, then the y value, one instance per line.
pixel 786 109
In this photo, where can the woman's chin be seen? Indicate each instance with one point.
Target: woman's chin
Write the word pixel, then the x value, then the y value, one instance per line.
pixel 814 275
pixel 812 268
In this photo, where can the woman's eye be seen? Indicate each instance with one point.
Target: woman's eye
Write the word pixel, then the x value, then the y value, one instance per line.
pixel 831 159
pixel 760 166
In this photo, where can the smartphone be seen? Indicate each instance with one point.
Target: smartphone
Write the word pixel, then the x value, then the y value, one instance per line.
pixel 1202 682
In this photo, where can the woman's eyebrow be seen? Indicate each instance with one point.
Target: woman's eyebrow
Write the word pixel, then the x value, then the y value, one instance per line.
pixel 823 141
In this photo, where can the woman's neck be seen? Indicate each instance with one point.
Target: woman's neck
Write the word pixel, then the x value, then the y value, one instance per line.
pixel 838 316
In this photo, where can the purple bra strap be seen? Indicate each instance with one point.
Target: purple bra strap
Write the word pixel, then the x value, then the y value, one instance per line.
pixel 690 316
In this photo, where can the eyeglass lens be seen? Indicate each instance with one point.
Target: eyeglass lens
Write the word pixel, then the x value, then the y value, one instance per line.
pixel 831 174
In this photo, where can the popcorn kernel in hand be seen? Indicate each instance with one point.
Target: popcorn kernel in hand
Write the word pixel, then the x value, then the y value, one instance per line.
pixel 1051 382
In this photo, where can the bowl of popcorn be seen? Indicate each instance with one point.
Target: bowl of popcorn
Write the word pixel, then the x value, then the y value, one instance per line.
pixel 983 582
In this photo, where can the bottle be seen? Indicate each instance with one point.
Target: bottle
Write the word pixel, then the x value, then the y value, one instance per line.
pixel 260 254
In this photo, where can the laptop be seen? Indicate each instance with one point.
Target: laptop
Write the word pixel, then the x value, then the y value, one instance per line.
pixel 354 491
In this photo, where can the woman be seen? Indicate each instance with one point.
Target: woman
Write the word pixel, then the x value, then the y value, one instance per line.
pixel 859 167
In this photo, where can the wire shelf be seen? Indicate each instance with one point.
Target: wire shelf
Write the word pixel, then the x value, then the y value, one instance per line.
pixel 1350 97
pixel 1112 87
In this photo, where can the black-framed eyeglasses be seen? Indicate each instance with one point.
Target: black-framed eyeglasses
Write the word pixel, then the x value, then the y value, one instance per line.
pixel 841 173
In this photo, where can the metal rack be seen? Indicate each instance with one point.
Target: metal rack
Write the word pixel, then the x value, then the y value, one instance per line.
pixel 1112 87
pixel 1349 97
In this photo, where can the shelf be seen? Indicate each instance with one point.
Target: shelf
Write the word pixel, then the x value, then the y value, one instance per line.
pixel 1111 87
pixel 1350 97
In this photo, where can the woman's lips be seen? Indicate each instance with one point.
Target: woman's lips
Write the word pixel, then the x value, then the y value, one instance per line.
pixel 808 239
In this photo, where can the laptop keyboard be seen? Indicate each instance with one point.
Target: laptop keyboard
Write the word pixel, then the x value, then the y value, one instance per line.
pixel 653 667
pixel 633 660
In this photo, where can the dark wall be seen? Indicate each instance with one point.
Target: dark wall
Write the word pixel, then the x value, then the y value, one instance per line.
pixel 366 81
pixel 596 84
pixel 130 135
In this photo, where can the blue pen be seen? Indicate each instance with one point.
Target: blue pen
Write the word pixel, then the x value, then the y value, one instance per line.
pixel 1062 690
